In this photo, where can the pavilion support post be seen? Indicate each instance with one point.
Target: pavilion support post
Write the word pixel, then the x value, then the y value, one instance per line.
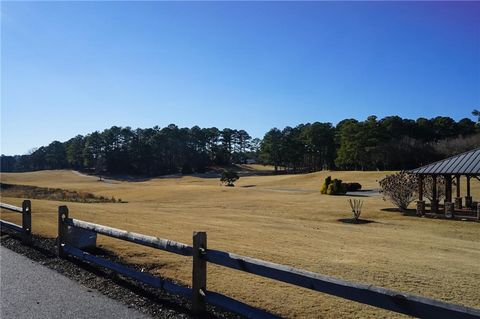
pixel 420 202
pixel 449 210
pixel 458 203
pixel 448 205
pixel 468 198
pixel 448 188
pixel 478 212
pixel 458 199
pixel 434 201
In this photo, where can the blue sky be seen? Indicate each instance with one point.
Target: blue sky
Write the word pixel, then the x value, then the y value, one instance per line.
pixel 73 68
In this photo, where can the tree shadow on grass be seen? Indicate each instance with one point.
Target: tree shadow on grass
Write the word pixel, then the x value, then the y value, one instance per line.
pixel 407 212
pixel 353 221
pixel 428 214
pixel 356 195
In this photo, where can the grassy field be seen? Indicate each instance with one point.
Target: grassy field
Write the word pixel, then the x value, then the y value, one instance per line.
pixel 283 219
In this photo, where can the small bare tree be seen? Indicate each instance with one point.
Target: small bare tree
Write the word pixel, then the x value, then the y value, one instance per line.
pixel 428 187
pixel 356 205
pixel 399 188
pixel 229 178
pixel 99 167
pixel 456 145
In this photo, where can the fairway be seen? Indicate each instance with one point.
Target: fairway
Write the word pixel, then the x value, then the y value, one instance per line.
pixel 283 219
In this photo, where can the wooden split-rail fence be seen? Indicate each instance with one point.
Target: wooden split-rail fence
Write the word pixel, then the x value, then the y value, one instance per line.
pixel 400 302
pixel 26 228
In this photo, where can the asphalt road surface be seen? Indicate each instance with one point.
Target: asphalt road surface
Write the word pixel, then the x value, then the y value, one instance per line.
pixel 30 290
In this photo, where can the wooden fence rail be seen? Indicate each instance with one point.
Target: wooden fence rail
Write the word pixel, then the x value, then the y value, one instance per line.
pixel 26 229
pixel 198 304
pixel 154 242
pixel 148 279
pixel 367 294
pixel 412 305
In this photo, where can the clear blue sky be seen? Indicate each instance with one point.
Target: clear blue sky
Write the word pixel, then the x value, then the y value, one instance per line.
pixel 72 68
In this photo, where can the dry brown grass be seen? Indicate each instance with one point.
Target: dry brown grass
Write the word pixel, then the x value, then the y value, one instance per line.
pixel 276 218
pixel 58 194
pixel 257 167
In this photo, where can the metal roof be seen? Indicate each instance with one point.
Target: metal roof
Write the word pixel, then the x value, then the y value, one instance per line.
pixel 467 163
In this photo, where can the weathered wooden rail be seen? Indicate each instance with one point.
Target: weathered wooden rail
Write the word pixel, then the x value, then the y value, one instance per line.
pixel 26 228
pixel 198 291
pixel 408 304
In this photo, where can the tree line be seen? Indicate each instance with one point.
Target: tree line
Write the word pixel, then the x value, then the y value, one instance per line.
pixel 150 151
pixel 390 143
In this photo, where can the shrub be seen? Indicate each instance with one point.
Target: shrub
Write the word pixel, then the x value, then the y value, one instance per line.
pixel 352 187
pixel 324 188
pixel 229 178
pixel 399 188
pixel 333 187
pixel 330 190
pixel 338 187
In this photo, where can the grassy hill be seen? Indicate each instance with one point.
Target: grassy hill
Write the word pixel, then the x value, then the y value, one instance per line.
pixel 283 219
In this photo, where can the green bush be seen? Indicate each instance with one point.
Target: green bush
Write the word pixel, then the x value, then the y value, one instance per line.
pixel 330 190
pixel 333 187
pixel 324 187
pixel 338 188
pixel 352 187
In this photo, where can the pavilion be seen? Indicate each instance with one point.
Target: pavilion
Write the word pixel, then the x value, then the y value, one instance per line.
pixel 466 164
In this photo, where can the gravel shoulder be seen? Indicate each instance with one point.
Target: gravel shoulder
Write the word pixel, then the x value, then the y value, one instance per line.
pixel 147 302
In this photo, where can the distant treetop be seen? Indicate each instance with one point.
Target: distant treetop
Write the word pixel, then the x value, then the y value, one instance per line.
pixel 391 143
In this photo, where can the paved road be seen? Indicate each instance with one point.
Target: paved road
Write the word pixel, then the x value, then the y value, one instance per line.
pixel 30 290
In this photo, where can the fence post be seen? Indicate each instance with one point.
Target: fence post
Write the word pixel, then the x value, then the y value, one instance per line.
pixel 27 222
pixel 62 229
pixel 199 273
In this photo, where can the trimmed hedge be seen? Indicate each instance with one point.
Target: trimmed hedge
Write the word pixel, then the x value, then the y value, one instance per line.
pixel 336 187
pixel 353 187
pixel 333 187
